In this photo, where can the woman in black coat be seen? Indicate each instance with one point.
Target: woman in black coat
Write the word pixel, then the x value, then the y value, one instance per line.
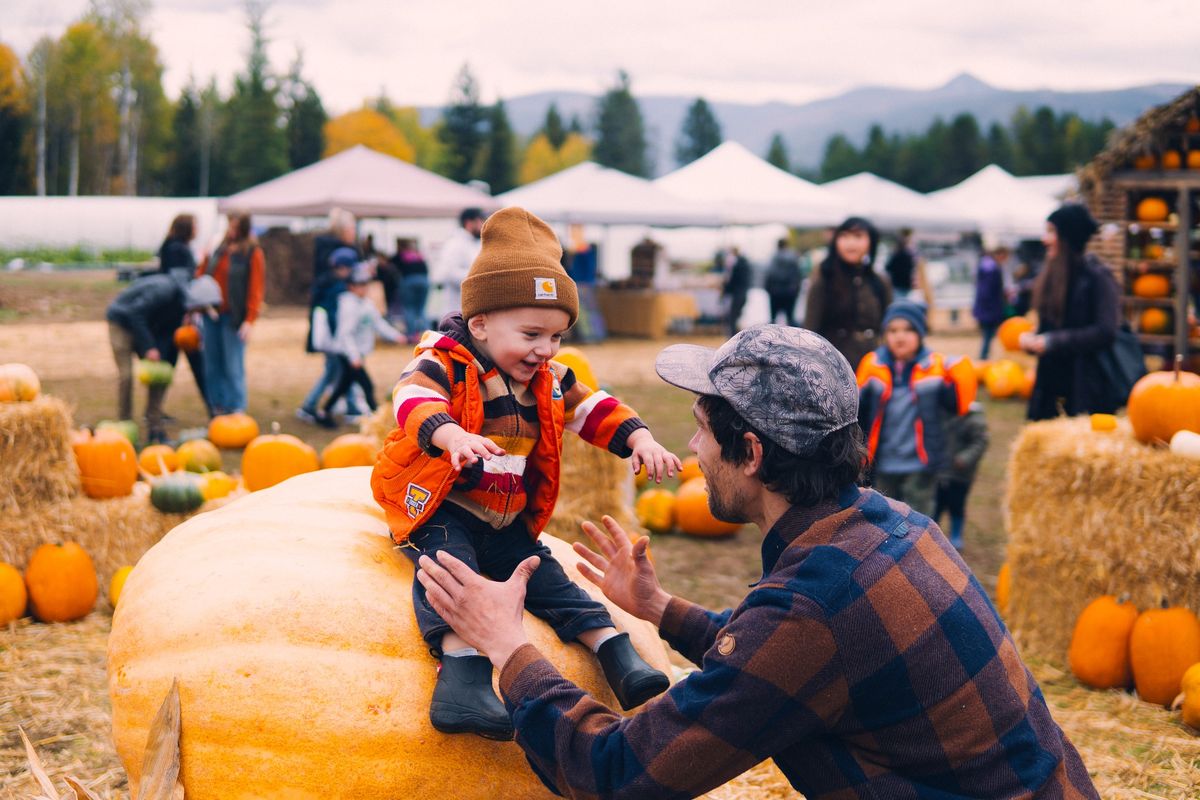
pixel 1077 300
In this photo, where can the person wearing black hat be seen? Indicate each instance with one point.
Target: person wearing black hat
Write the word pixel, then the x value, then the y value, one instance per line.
pixel 847 297
pixel 1077 300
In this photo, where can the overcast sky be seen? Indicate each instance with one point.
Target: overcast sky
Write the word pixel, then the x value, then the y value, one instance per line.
pixel 749 51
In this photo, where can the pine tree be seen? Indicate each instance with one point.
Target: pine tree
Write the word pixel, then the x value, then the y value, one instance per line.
pixel 620 130
pixel 553 127
pixel 463 129
pixel 306 117
pixel 15 120
pixel 777 153
pixel 255 142
pixel 841 159
pixel 999 147
pixel 879 153
pixel 183 176
pixel 965 152
pixel 499 168
pixel 576 125
pixel 700 133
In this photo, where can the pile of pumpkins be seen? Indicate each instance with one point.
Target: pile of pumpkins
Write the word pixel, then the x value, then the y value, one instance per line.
pixel 1163 408
pixel 59 585
pixel 1156 651
pixel 182 479
pixel 1005 378
pixel 660 510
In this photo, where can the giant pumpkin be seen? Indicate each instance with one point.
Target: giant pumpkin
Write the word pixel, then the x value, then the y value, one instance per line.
pixel 1164 403
pixel 287 618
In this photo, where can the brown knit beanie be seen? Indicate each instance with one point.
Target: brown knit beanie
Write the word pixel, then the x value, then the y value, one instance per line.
pixel 518 265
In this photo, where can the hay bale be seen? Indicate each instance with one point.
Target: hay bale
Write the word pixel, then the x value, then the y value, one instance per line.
pixel 1090 514
pixel 36 462
pixel 114 532
pixel 594 482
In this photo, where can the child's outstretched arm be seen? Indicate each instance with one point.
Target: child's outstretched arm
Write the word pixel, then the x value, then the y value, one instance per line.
pixel 658 460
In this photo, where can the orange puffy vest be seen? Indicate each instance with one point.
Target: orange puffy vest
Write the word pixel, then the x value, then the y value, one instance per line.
pixel 409 484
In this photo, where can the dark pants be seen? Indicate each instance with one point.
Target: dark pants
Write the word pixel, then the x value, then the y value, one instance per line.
pixel 550 594
pixel 349 376
pixel 737 301
pixel 988 333
pixel 952 498
pixel 914 488
pixel 783 304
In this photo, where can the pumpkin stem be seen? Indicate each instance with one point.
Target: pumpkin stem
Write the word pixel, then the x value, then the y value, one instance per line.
pixel 1178 365
pixel 275 425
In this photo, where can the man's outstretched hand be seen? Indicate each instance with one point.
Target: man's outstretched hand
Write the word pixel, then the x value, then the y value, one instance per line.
pixel 622 570
pixel 485 613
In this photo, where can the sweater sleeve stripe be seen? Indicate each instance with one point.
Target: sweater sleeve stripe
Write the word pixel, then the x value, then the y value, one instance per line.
pixel 591 430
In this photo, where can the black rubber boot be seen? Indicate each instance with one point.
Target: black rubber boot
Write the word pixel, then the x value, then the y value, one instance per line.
pixel 463 700
pixel 633 681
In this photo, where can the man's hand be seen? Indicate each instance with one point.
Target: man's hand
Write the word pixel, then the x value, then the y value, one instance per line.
pixel 623 570
pixel 485 613
pixel 658 460
pixel 464 448
pixel 244 330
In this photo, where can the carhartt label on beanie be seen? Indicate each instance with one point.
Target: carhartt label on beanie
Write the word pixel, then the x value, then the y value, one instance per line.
pixel 519 264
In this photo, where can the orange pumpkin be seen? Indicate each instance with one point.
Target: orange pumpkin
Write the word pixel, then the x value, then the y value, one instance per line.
pixel 1189 700
pixel 187 338
pixel 108 465
pixel 275 457
pixel 1103 423
pixel 232 431
pixel 1164 403
pixel 1025 390
pixel 1010 332
pixel 1004 379
pixel 18 383
pixel 693 516
pixel 1003 587
pixel 1172 160
pixel 1193 159
pixel 13 597
pixel 1099 651
pixel 157 459
pixel 1145 161
pixel 1193 124
pixel 981 368
pixel 655 509
pixel 1152 284
pixel 199 455
pixel 1153 209
pixel 350 450
pixel 691 469
pixel 62 582
pixel 214 485
pixel 1154 251
pixel 1164 642
pixel 1155 320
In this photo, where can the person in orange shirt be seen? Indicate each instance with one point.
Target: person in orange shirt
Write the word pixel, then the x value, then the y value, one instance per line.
pixel 239 267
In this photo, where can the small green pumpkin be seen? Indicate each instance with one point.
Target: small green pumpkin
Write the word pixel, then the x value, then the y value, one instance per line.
pixel 155 373
pixel 176 493
pixel 126 427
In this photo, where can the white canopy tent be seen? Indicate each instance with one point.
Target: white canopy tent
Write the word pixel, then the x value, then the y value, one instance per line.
pixel 890 205
pixel 588 193
pixel 1001 205
pixel 749 191
pixel 364 182
pixel 1059 187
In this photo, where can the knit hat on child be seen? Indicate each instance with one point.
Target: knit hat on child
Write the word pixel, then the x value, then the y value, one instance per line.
pixel 911 312
pixel 519 264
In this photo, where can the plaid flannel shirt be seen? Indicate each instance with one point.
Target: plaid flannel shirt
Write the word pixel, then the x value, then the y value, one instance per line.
pixel 867 662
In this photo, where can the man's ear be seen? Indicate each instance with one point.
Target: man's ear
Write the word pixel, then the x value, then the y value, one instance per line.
pixel 477 325
pixel 754 454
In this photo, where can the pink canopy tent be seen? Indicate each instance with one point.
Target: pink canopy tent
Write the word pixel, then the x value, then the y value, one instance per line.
pixel 366 183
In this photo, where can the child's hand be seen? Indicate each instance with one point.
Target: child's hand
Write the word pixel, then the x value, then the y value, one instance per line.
pixel 658 460
pixel 467 448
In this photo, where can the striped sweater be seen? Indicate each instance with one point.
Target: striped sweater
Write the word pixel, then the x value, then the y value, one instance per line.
pixel 494 489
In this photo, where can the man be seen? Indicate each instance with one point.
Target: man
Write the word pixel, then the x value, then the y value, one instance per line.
pixel 455 259
pixel 902 264
pixel 783 281
pixel 867 662
pixel 738 276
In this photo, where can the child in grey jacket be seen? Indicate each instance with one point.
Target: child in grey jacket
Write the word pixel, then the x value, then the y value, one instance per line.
pixel 966 442
pixel 358 323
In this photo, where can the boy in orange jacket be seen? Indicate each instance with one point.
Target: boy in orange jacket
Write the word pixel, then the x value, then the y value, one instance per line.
pixel 473 466
pixel 905 395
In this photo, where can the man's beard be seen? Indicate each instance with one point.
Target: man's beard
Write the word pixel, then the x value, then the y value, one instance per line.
pixel 726 509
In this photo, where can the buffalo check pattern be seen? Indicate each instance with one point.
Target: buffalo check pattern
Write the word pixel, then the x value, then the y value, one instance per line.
pixel 867 662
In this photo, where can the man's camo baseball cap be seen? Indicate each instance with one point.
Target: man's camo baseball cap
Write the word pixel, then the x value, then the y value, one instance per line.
pixel 789 383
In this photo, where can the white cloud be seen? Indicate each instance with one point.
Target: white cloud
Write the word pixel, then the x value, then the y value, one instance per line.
pixel 752 51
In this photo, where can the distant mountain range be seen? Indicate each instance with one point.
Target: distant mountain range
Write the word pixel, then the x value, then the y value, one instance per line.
pixel 807 127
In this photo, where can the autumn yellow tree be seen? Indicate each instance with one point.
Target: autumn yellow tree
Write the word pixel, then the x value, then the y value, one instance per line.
pixel 370 129
pixel 14 123
pixel 407 120
pixel 541 159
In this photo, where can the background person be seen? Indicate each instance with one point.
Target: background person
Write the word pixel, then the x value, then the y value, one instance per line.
pixel 326 293
pixel 141 322
pixel 782 282
pixel 846 296
pixel 175 258
pixel 413 287
pixel 990 298
pixel 455 259
pixel 239 268
pixel 1077 300
pixel 738 276
pixel 849 664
